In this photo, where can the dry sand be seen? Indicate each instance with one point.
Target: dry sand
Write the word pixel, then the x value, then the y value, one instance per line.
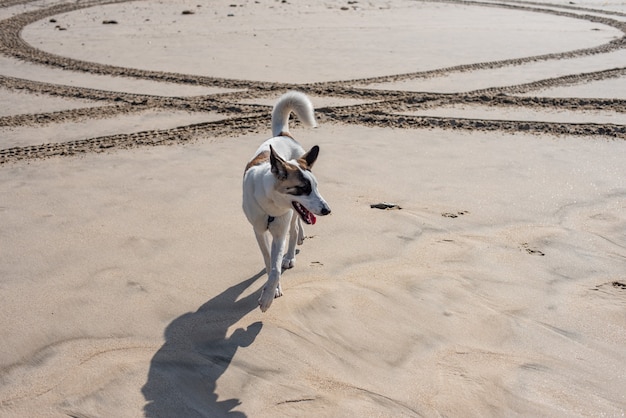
pixel 129 276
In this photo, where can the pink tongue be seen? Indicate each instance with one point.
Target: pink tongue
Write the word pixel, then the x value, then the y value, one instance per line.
pixel 311 218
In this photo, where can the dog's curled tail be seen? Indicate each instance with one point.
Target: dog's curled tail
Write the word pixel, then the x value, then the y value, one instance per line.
pixel 294 101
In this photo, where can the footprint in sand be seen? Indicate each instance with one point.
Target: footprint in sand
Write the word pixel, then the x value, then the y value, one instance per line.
pixel 531 251
pixel 454 215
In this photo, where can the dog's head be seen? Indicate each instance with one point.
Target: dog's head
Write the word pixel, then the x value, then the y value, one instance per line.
pixel 296 183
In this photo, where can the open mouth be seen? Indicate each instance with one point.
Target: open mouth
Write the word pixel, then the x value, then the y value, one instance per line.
pixel 304 213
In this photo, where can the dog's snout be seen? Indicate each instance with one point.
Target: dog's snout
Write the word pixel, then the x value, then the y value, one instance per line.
pixel 325 211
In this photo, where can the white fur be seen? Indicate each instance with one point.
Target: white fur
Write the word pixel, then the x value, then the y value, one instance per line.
pixel 296 102
pixel 262 200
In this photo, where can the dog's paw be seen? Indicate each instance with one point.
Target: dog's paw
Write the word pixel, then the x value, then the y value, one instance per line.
pixel 266 299
pixel 289 262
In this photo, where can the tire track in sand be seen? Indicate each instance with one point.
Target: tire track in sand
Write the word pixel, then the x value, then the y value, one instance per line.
pixel 239 118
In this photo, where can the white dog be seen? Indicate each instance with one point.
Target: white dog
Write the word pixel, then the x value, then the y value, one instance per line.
pixel 279 192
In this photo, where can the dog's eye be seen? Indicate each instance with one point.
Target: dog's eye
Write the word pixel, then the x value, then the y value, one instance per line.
pixel 304 189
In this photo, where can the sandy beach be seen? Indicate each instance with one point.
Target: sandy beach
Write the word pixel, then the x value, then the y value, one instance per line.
pixel 494 285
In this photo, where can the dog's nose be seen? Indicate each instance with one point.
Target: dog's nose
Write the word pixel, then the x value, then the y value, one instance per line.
pixel 325 211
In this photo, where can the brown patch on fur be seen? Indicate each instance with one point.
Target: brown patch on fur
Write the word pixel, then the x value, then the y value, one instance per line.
pixel 259 159
pixel 287 134
pixel 303 164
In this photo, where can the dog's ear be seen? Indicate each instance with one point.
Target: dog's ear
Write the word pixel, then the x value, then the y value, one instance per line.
pixel 309 158
pixel 278 165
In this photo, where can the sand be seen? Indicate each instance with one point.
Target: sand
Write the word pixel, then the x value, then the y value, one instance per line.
pixel 129 276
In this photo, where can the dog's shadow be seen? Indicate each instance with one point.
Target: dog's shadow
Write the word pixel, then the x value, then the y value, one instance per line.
pixel 183 373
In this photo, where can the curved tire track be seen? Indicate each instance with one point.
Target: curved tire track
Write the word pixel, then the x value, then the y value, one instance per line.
pixel 381 112
pixel 125 141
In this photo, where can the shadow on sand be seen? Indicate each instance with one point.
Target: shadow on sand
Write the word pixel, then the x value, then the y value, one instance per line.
pixel 183 373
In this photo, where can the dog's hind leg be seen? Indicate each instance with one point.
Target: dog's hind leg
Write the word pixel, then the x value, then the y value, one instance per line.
pixel 289 260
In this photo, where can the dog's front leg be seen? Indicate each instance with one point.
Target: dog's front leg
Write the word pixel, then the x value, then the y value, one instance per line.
pixel 290 258
pixel 300 230
pixel 262 237
pixel 272 289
